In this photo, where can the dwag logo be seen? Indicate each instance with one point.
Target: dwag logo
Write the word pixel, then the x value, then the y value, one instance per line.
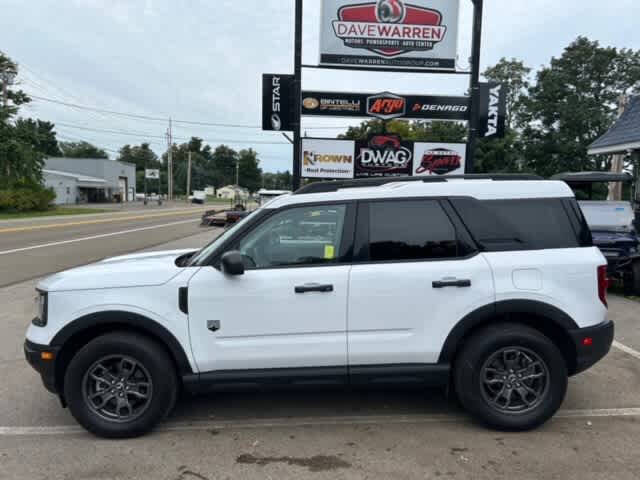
pixel 384 154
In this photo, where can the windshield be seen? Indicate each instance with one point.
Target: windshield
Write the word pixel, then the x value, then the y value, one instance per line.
pixel 211 247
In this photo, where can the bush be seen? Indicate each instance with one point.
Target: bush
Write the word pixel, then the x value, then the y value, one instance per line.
pixel 26 199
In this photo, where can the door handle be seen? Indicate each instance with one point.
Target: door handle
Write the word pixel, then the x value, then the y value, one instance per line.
pixel 452 283
pixel 314 287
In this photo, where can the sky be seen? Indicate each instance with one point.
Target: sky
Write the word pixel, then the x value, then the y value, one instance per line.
pixel 202 60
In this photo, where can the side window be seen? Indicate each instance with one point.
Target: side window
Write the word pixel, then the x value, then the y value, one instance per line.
pixel 410 230
pixel 297 236
pixel 503 225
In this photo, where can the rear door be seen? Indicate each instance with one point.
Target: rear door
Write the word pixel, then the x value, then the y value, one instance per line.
pixel 414 277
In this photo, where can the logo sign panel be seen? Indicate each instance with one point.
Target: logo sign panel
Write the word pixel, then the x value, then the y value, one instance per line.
pixel 152 174
pixel 383 156
pixel 327 158
pixel 277 104
pixel 439 159
pixel 390 33
pixel 493 110
pixel 385 106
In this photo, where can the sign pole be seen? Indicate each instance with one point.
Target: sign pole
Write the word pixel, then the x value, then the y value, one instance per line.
pixel 474 87
pixel 297 93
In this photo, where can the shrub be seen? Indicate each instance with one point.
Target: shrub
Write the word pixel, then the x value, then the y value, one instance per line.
pixel 26 199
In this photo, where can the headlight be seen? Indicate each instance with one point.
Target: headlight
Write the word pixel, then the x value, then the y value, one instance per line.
pixel 42 305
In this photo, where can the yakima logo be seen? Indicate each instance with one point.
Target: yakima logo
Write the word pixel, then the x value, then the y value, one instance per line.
pixel 439 161
pixel 386 106
pixel 384 154
pixel 389 27
pixel 494 112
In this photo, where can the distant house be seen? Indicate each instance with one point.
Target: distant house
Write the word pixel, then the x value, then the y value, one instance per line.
pixel 89 180
pixel 232 192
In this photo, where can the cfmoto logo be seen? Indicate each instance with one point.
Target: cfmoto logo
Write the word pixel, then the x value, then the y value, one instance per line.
pixel 390 11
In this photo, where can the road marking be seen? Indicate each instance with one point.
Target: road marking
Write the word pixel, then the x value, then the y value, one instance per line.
pixel 94 237
pixel 256 423
pixel 101 220
pixel 625 349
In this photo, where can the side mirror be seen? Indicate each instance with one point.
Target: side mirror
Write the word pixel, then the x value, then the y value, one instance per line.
pixel 232 263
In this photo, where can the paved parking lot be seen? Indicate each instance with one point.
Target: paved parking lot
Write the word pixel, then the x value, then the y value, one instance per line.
pixel 328 434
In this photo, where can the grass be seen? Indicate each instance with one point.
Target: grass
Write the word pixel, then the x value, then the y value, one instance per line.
pixel 54 212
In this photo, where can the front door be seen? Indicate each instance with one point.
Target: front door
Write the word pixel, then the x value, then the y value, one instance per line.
pixel 289 309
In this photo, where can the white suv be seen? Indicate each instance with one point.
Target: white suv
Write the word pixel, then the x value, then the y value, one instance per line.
pixel 489 285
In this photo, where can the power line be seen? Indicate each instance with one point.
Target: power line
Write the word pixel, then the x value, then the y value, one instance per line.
pixel 148 135
pixel 142 117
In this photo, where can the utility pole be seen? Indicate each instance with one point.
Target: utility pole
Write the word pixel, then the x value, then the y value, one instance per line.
pixel 297 96
pixel 474 86
pixel 170 162
pixel 238 172
pixel 189 177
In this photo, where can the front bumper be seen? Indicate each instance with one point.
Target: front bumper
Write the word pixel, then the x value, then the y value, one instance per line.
pixel 46 368
pixel 592 344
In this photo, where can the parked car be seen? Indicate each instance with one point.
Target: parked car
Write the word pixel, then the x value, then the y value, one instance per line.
pixel 489 286
pixel 199 197
pixel 612 226
pixel 225 218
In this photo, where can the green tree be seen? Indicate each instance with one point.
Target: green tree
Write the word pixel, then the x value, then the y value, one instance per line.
pixel 82 150
pixel 40 135
pixel 250 173
pixel 514 75
pixel 419 131
pixel 574 102
pixel 15 98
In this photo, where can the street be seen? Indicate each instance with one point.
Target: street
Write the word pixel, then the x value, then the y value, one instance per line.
pixel 32 248
pixel 324 434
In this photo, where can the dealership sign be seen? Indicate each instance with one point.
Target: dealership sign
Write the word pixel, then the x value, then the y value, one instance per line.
pixel 277 102
pixel 152 174
pixel 439 159
pixel 326 158
pixel 493 110
pixel 382 155
pixel 400 34
pixel 385 106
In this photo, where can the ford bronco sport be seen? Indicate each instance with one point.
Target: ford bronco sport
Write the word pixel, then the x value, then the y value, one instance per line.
pixel 486 284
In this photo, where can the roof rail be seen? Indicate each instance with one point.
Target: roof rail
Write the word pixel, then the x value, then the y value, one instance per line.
pixel 335 185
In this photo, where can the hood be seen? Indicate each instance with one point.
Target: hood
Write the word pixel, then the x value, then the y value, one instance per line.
pixel 137 270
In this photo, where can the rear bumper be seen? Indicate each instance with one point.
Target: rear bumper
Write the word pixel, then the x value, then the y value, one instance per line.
pixel 589 352
pixel 46 368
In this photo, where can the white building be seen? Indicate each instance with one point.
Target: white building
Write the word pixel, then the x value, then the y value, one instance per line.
pixel 90 180
pixel 233 192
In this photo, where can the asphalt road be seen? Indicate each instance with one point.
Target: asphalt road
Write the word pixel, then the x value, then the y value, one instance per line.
pixel 33 248
pixel 326 434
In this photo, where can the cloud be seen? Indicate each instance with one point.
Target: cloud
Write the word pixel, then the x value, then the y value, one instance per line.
pixel 203 59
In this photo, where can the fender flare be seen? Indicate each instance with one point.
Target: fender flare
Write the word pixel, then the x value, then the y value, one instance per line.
pixel 502 309
pixel 126 320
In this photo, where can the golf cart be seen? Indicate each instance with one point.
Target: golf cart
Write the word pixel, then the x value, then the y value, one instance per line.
pixel 613 226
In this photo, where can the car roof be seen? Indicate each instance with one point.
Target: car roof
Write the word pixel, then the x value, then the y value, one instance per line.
pixel 481 189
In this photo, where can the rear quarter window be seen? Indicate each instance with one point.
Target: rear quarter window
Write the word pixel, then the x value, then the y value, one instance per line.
pixel 529 224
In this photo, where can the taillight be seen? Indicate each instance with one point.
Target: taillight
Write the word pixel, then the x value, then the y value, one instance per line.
pixel 603 284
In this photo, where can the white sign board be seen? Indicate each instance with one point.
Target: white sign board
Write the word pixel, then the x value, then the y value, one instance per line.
pixel 416 34
pixel 439 159
pixel 327 158
pixel 152 174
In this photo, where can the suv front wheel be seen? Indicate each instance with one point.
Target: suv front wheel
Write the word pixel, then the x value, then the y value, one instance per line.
pixel 120 385
pixel 510 377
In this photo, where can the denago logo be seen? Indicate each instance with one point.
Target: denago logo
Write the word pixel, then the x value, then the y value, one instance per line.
pixel 384 153
pixel 389 27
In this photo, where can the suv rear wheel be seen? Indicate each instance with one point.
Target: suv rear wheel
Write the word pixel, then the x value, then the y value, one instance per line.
pixel 120 385
pixel 510 377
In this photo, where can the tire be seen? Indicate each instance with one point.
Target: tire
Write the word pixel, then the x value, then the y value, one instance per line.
pixel 150 387
pixel 483 356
